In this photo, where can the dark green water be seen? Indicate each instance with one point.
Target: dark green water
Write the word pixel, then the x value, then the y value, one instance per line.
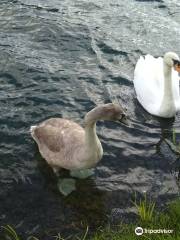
pixel 59 58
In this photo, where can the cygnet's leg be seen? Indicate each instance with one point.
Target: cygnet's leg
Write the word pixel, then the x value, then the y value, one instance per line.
pixel 56 171
pixel 60 172
pixel 82 174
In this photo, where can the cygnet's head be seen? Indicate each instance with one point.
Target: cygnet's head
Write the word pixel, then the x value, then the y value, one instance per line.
pixel 109 111
pixel 172 60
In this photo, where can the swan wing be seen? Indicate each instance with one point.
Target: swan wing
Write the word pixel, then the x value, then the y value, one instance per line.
pixel 57 135
pixel 148 82
pixel 175 83
pixel 50 138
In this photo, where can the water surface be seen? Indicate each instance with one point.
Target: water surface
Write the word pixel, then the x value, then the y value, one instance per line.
pixel 60 58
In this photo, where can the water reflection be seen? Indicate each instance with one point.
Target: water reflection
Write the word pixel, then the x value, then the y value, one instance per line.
pixel 166 126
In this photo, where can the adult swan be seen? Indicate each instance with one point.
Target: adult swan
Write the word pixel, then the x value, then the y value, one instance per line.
pixel 156 83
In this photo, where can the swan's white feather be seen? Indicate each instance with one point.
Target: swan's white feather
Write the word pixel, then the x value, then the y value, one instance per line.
pixel 149 83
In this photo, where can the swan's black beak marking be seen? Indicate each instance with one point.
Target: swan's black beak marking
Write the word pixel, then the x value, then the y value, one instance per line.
pixel 124 120
pixel 176 62
pixel 176 66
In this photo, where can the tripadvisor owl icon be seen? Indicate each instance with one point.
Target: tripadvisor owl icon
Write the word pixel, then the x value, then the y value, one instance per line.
pixel 139 231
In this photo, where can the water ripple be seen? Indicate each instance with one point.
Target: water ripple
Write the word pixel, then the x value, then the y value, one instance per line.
pixel 62 58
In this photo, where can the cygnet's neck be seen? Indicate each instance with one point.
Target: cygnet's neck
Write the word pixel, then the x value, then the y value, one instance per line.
pixel 93 116
pixel 167 105
pixel 90 125
pixel 92 146
pixel 91 137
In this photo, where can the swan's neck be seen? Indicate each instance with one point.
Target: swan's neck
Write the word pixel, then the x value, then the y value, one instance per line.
pixel 167 105
pixel 92 143
pixel 90 127
pixel 90 133
pixel 168 93
pixel 93 146
pixel 91 138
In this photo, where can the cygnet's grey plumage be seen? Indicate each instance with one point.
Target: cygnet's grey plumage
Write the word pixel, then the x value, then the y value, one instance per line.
pixel 65 144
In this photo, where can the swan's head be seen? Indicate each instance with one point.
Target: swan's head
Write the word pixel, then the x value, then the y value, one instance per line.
pixel 172 60
pixel 109 111
pixel 113 112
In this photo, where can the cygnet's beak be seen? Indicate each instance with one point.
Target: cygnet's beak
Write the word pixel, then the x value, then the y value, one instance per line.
pixel 124 120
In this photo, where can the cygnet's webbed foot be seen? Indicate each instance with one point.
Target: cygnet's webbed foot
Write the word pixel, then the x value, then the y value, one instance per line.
pixel 66 185
pixel 82 174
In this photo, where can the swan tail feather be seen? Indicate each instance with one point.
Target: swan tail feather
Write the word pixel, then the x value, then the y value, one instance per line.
pixel 32 131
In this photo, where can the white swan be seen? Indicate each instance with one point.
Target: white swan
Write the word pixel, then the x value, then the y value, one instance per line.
pixel 156 83
pixel 65 144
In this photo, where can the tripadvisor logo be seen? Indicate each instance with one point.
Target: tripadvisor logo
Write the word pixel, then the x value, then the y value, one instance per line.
pixel 139 231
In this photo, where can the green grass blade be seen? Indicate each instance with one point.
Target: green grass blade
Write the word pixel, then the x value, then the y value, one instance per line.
pixel 11 232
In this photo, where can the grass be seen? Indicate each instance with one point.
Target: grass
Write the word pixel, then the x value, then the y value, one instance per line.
pixel 145 209
pixel 174 144
pixel 10 234
pixel 149 218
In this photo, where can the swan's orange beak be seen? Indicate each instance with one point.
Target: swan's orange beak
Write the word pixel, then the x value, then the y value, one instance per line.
pixel 177 67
